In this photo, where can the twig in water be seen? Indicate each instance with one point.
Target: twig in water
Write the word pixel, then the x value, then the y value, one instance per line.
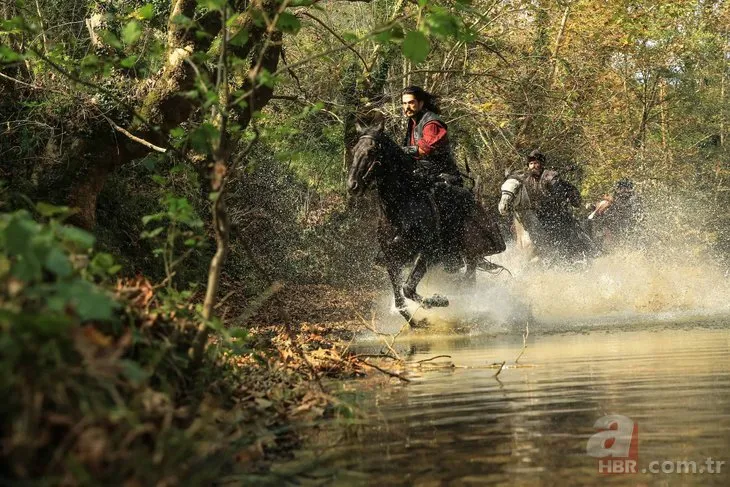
pixel 383 336
pixel 375 355
pixel 500 370
pixel 387 372
pixel 433 358
pixel 524 340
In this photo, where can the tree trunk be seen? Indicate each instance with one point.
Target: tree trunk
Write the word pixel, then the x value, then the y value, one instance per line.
pixel 165 107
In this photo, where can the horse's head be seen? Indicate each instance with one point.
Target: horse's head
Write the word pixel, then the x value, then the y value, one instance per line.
pixel 366 158
pixel 510 193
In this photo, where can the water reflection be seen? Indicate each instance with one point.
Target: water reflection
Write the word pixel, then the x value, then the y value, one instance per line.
pixel 462 426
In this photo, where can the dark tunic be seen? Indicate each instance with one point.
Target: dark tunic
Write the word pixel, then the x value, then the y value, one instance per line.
pixel 549 197
pixel 550 191
pixel 452 202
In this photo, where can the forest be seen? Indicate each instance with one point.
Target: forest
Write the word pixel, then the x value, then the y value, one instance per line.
pixel 182 267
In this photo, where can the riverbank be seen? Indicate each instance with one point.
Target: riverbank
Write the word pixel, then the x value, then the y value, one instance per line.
pixel 117 400
pixel 305 332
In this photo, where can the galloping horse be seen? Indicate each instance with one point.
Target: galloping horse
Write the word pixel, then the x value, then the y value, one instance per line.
pixel 408 227
pixel 562 238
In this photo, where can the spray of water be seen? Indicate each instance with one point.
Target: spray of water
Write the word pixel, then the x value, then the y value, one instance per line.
pixel 666 272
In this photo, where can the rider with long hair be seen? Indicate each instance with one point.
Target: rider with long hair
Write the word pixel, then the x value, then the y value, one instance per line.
pixel 427 141
pixel 427 137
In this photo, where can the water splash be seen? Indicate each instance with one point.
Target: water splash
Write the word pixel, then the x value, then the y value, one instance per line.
pixel 626 284
pixel 667 273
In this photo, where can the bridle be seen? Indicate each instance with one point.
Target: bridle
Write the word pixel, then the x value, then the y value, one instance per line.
pixel 371 167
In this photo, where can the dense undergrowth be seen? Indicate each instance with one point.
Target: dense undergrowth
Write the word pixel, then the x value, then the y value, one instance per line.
pixel 98 383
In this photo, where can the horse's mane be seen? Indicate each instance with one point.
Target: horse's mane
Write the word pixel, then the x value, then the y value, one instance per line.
pixel 393 150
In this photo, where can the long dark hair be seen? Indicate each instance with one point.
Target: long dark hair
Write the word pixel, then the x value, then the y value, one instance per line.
pixel 430 102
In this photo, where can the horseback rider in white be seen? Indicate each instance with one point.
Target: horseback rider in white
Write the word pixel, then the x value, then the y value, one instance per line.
pixel 543 220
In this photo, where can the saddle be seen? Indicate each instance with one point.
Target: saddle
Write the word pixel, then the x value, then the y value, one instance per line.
pixel 481 234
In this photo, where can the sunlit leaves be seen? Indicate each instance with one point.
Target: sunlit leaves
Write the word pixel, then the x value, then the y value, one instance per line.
pixel 350 36
pixel 38 257
pixel 88 301
pixel 18 234
pixel 16 25
pixel 240 38
pixel 8 56
pixel 110 39
pixel 289 23
pixel 53 211
pixel 203 138
pixel 416 46
pixel 443 24
pixel 146 12
pixel 392 33
pixel 103 264
pixel 58 263
pixel 79 239
pixel 91 63
pixel 181 20
pixel 128 61
pixel 265 78
pixel 177 132
pixel 131 32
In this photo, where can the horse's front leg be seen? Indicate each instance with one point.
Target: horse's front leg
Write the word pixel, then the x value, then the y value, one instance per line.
pixel 394 272
pixel 470 275
pixel 409 289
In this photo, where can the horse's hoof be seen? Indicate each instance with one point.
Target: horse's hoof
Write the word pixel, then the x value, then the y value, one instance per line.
pixel 435 301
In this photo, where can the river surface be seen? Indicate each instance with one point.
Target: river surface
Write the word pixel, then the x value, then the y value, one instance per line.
pixel 642 336
pixel 530 425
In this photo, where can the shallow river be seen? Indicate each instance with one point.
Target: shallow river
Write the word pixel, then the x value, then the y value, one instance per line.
pixel 531 424
pixel 640 337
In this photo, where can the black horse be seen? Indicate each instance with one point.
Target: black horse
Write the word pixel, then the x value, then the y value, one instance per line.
pixel 408 227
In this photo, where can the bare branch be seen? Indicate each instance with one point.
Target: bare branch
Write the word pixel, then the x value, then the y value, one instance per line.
pixel 133 137
pixel 339 38
pixel 88 84
pixel 35 87
pixel 524 340
pixel 433 358
pixel 386 372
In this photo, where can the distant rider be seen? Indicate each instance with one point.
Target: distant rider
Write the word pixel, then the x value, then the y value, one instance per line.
pixel 551 197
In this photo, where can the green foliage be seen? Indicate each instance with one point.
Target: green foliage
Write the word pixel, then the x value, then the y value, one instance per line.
pixel 289 23
pixel 42 274
pixel 105 367
pixel 8 56
pixel 416 46
pixel 176 229
pixel 442 23
pixel 131 32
